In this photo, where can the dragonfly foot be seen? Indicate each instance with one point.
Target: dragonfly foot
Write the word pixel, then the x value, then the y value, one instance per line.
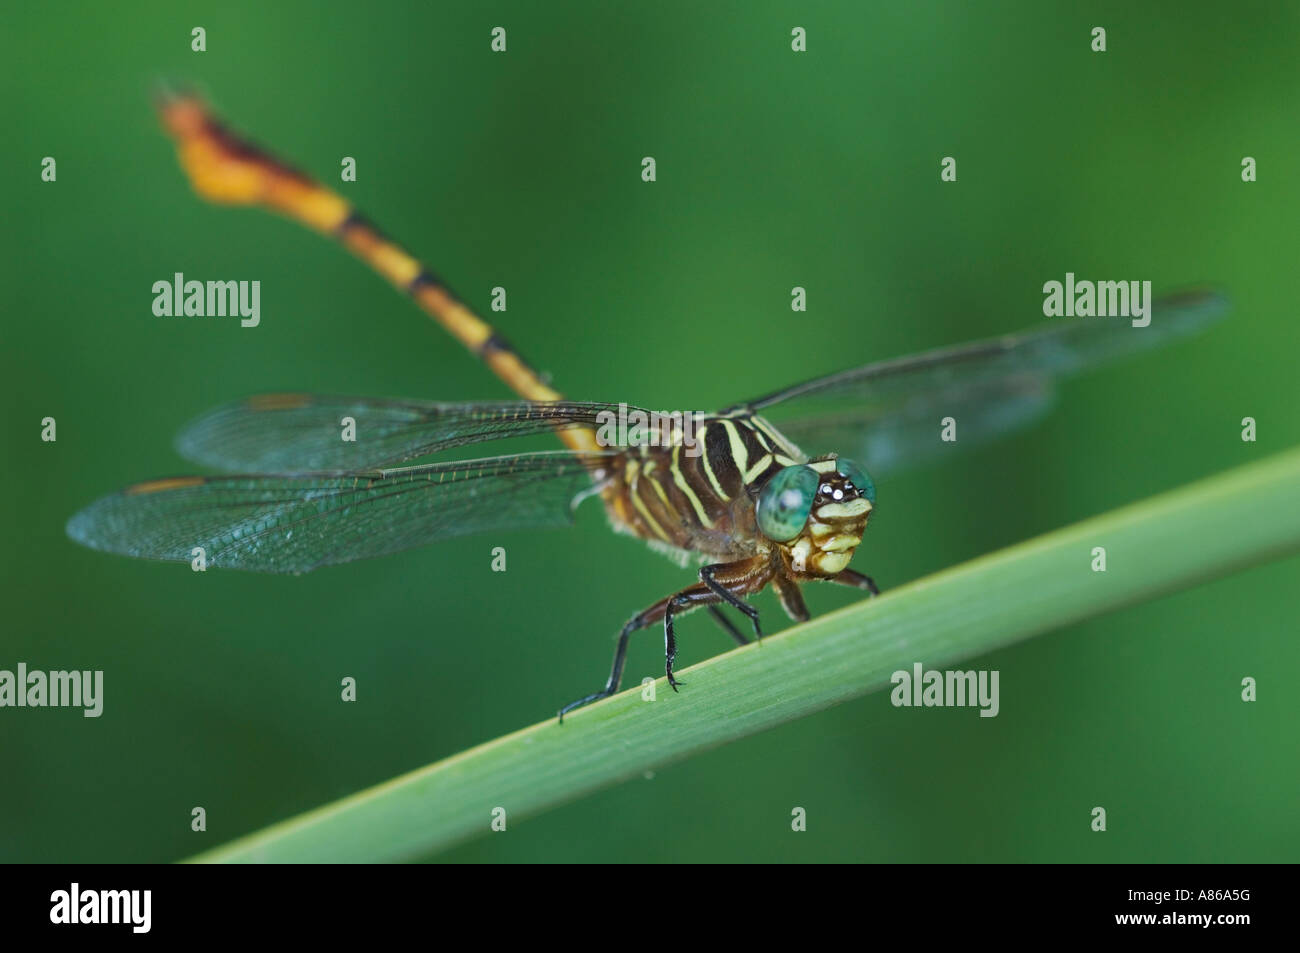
pixel 586 700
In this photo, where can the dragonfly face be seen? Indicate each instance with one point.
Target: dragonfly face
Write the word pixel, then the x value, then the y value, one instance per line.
pixel 749 505
pixel 826 504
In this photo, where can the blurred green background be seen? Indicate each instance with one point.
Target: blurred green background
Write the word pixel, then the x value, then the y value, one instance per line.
pixel 775 169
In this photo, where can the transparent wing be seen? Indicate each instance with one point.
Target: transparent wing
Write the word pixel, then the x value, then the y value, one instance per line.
pixel 294 523
pixel 274 433
pixel 888 413
pixel 899 438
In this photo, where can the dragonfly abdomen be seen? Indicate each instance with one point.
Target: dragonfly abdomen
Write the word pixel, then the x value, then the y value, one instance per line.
pixel 225 168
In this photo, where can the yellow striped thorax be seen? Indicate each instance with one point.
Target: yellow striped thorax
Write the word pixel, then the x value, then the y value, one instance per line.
pixel 732 486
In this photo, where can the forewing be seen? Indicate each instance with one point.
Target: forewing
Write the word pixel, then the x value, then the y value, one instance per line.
pixel 294 523
pixel 278 433
pixel 908 435
pixel 889 413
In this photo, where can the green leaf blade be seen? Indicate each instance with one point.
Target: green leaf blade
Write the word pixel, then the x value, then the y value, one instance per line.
pixel 1169 542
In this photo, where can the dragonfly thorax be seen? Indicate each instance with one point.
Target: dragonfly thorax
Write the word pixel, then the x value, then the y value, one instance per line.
pixel 698 498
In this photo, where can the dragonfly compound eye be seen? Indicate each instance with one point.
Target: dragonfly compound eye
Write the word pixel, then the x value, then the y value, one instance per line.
pixel 859 477
pixel 785 502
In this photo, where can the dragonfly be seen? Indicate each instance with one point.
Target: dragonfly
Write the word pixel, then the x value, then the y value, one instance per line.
pixel 772 491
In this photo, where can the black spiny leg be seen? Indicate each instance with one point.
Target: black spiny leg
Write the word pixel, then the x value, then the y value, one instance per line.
pixel 746 576
pixel 707 574
pixel 847 577
pixel 692 596
pixel 670 640
pixel 731 630
pixel 688 598
pixel 616 670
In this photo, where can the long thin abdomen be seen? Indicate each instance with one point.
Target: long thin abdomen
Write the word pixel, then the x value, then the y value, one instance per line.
pixel 223 168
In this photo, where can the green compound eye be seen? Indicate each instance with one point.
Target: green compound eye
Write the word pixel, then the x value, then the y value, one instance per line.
pixel 786 501
pixel 859 478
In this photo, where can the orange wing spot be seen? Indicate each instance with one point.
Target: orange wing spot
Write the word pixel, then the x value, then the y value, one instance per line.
pixel 280 401
pixel 171 483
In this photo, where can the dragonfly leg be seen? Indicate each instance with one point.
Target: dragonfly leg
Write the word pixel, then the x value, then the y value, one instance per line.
pixel 689 598
pixel 847 577
pixel 731 630
pixel 639 621
pixel 722 582
pixel 708 576
pixel 787 590
pixel 727 579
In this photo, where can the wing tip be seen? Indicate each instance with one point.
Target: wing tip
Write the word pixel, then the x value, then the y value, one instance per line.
pixel 83 527
pixel 76 527
pixel 199 439
pixel 1204 303
pixel 194 444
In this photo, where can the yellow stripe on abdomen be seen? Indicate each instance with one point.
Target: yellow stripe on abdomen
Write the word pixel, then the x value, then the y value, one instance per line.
pixel 225 169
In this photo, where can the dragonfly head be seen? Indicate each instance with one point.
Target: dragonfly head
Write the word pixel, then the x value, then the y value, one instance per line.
pixel 817 512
